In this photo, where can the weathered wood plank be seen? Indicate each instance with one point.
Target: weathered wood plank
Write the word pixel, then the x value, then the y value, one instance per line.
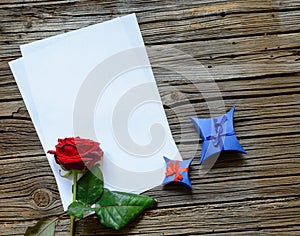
pixel 206 219
pixel 263 121
pixel 223 184
pixel 255 173
pixel 171 84
pixel 221 59
pixel 153 4
pixel 8 109
pixel 156 7
pixel 283 159
pixel 264 153
pixel 171 27
pixel 214 219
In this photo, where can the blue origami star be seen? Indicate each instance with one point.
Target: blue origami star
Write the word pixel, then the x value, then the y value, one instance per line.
pixel 177 171
pixel 217 135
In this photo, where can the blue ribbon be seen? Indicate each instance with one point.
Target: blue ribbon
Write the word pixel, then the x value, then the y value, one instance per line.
pixel 217 138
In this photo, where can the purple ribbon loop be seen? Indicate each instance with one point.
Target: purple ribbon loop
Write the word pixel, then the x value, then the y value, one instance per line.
pixel 219 130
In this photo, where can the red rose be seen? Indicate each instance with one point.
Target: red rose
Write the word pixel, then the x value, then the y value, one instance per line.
pixel 76 153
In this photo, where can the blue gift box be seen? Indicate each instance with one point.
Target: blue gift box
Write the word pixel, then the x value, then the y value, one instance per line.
pixel 217 134
pixel 177 172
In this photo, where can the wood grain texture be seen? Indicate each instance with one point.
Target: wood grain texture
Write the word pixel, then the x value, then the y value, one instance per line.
pixel 204 54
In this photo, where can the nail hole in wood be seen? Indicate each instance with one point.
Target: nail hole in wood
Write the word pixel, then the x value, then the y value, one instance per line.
pixel 223 14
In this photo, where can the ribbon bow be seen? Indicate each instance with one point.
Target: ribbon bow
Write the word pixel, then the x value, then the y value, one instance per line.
pixel 217 138
pixel 175 170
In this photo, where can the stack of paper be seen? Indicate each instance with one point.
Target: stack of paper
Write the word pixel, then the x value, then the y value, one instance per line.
pixel 97 83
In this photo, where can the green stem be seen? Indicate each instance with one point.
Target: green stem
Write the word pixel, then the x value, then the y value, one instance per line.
pixel 74 184
pixel 74 172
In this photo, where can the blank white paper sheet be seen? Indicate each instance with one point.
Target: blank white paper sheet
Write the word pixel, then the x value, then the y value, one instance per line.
pixel 97 83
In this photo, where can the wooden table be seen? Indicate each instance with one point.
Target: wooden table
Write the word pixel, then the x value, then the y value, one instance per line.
pixel 252 51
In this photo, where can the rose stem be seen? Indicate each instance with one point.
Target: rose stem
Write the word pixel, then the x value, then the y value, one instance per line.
pixel 74 172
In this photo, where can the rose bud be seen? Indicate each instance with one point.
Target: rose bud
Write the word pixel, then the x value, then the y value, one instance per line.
pixel 76 153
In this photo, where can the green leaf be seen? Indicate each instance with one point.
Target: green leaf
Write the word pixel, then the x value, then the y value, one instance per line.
pixel 77 209
pixel 90 186
pixel 117 217
pixel 44 227
pixel 114 198
pixel 116 209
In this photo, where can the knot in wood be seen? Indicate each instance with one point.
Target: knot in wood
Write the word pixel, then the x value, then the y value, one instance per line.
pixel 178 96
pixel 42 198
